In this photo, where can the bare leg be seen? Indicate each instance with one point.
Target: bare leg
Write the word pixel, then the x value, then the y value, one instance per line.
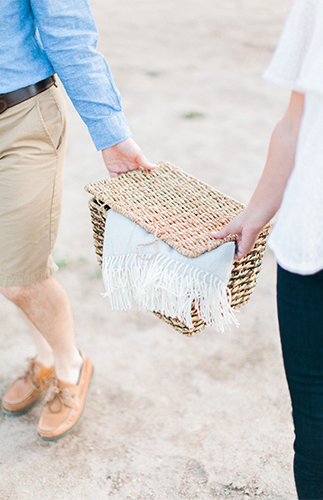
pixel 45 352
pixel 47 306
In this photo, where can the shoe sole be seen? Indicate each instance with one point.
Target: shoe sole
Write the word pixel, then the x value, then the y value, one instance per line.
pixel 56 438
pixel 20 412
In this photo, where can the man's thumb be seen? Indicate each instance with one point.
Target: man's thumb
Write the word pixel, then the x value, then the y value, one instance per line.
pixel 146 164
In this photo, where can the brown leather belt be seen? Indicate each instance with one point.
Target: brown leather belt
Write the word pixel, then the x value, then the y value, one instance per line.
pixel 17 96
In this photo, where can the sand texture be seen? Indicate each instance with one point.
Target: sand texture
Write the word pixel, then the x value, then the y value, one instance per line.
pixel 168 417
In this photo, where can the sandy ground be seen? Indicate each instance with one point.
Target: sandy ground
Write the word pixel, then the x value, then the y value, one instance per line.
pixel 168 417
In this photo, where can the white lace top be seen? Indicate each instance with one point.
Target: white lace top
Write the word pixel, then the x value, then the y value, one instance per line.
pixel 297 238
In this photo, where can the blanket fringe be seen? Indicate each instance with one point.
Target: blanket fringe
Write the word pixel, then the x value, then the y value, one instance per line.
pixel 165 285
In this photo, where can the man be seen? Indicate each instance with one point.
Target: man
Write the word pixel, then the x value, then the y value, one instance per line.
pixel 38 39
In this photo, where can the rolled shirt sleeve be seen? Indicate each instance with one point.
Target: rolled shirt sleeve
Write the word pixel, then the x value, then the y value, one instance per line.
pixel 69 37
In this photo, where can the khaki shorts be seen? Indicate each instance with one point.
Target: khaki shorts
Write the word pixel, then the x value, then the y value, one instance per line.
pixel 32 153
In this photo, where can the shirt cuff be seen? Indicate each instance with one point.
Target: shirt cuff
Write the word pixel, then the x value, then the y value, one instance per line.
pixel 110 130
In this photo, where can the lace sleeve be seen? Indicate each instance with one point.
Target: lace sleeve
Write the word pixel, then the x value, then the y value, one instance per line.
pixel 299 48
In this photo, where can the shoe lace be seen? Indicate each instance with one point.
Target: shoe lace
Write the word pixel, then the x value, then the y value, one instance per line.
pixel 57 393
pixel 30 374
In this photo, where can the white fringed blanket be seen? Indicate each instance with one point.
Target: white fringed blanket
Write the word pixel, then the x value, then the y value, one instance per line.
pixel 139 270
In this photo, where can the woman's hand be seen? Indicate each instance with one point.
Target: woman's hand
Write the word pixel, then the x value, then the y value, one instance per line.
pixel 124 157
pixel 268 195
pixel 246 232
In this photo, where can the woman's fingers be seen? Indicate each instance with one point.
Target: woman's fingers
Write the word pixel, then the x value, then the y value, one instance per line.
pixel 245 233
pixel 234 227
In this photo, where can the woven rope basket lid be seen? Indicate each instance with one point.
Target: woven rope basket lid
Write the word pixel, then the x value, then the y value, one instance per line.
pixel 180 210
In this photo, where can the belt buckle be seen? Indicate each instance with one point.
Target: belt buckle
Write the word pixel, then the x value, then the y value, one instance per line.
pixel 3 105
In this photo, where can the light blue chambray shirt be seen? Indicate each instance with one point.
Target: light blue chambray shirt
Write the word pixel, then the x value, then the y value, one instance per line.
pixel 41 37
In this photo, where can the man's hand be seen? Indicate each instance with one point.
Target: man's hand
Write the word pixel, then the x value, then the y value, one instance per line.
pixel 125 156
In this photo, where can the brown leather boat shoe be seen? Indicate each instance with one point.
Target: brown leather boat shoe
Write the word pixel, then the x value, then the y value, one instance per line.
pixel 23 392
pixel 64 404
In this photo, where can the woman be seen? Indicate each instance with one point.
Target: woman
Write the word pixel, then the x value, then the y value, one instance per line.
pixel 292 180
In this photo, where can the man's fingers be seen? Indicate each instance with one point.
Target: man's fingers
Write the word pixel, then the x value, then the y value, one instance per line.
pixel 148 165
pixel 125 156
pixel 144 163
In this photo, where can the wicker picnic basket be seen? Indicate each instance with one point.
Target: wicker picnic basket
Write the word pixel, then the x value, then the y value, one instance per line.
pixel 181 210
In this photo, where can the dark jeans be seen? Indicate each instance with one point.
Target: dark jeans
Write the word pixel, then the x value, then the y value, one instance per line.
pixel 300 312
